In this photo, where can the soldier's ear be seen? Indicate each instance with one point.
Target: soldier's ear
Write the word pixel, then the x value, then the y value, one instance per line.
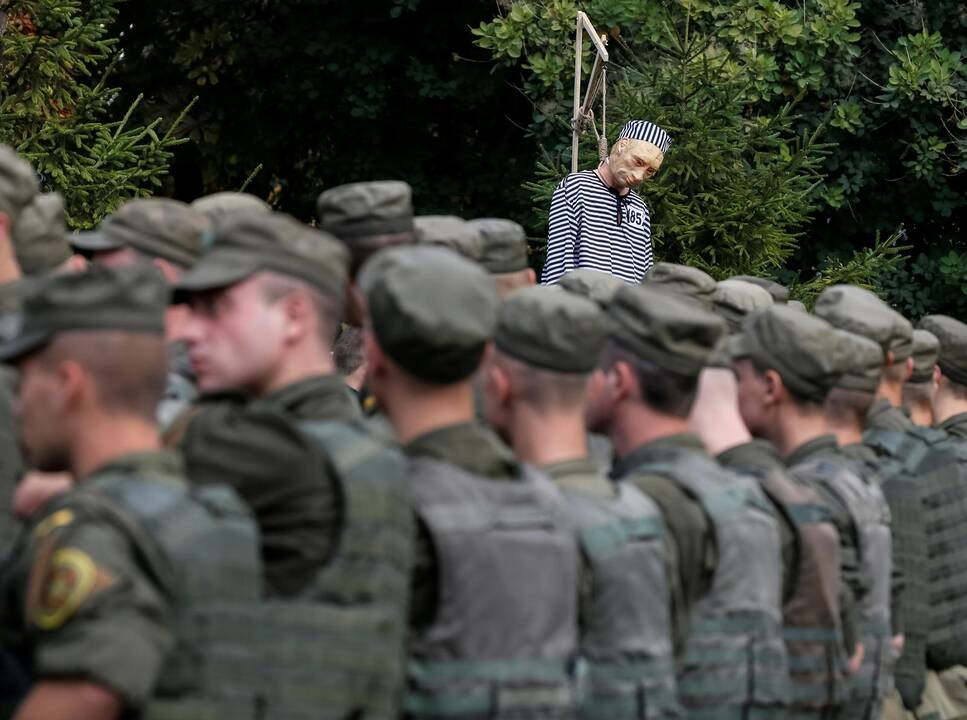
pixel 774 389
pixel 623 381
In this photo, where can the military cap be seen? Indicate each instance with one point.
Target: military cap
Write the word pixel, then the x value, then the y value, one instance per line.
pixel 162 227
pixel 504 245
pixel 217 205
pixel 39 235
pixel 549 328
pixel 593 284
pixel 734 299
pixel 796 305
pixel 952 335
pixel 131 299
pixel 450 232
pixel 926 350
pixel 859 363
pixel 245 243
pixel 859 311
pixel 800 347
pixel 780 295
pixel 365 209
pixel 664 328
pixel 18 183
pixel 431 310
pixel 683 280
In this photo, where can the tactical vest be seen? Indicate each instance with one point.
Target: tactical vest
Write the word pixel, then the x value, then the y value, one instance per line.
pixel 871 518
pixel 903 493
pixel 504 634
pixel 338 650
pixel 810 612
pixel 940 468
pixel 626 647
pixel 735 661
pixel 203 544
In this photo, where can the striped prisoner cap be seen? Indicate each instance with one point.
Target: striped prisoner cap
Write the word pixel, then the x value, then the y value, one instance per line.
pixel 647 131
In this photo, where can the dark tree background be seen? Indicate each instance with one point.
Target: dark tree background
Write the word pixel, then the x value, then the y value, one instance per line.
pixel 323 93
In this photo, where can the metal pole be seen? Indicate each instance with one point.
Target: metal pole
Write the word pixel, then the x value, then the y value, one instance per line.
pixel 575 126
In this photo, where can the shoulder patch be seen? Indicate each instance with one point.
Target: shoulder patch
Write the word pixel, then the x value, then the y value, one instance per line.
pixel 60 586
pixel 53 521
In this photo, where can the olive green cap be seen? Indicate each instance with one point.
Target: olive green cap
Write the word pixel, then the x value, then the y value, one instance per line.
pixel 664 328
pixel 734 299
pixel 926 350
pixel 162 227
pixel 131 299
pixel 779 293
pixel 859 363
pixel 800 347
pixel 549 328
pixel 504 245
pixel 952 335
pixel 796 305
pixel 683 280
pixel 39 235
pixel 245 243
pixel 431 310
pixel 217 205
pixel 450 232
pixel 859 311
pixel 18 183
pixel 593 284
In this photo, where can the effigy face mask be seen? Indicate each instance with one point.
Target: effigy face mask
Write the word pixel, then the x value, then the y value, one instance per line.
pixel 634 161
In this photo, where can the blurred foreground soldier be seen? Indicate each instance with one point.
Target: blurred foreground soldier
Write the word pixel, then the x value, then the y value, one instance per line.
pixel 548 342
pixel 217 205
pixel 330 501
pixel 726 591
pixel 166 234
pixel 106 590
pixel 494 618
pixel 810 543
pixel 930 460
pixel 682 280
pixel 504 254
pixel 451 232
pixel 918 390
pixel 366 217
pixel 40 238
pixel 785 362
pixel 595 285
pixel 597 220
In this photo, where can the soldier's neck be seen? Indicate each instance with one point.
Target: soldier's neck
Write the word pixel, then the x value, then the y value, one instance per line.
pixel 634 424
pixel 297 364
pixel 418 413
pixel 795 426
pixel 946 405
pixel 890 391
pixel 846 434
pixel 546 438
pixel 104 439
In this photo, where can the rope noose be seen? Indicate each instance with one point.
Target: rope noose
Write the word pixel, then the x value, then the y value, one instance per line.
pixel 603 137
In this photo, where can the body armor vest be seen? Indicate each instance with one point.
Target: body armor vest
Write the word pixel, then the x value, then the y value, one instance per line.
pixel 626 632
pixel 811 611
pixel 735 661
pixel 904 497
pixel 203 544
pixel 871 518
pixel 940 469
pixel 504 634
pixel 338 650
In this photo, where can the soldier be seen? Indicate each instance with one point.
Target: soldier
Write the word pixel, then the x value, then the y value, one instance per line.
pixel 810 543
pixel 779 293
pixel 547 345
pixel 722 528
pixel 104 587
pixel 330 501
pixel 217 205
pixel 504 254
pixel 918 390
pixel 784 362
pixel 166 234
pixel 683 280
pixel 493 624
pixel 931 472
pixel 451 232
pixel 950 374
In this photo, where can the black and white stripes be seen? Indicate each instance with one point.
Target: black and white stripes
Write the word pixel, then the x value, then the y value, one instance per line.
pixel 591 226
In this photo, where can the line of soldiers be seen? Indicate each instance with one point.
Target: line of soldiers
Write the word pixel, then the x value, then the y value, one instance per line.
pixel 681 499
